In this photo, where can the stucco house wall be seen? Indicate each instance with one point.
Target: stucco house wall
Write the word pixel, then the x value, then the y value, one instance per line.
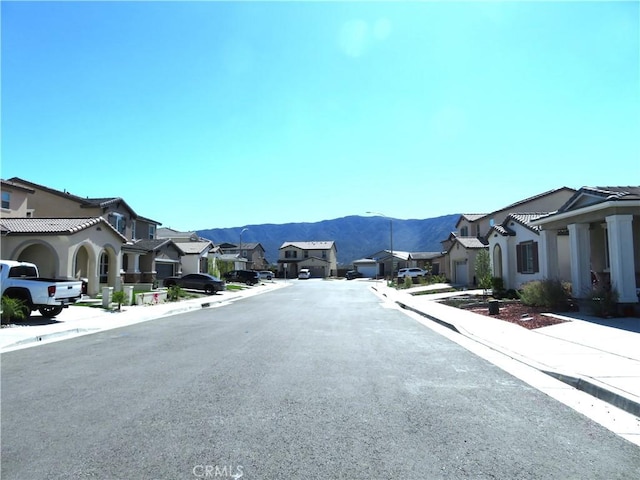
pixel 65 248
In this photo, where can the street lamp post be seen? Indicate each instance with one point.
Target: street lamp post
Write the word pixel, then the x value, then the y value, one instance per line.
pixel 390 238
pixel 240 249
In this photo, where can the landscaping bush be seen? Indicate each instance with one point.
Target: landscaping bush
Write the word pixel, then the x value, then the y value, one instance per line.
pixel 12 309
pixel 548 293
pixel 604 301
pixel 408 282
pixel 119 297
pixel 497 287
pixel 174 293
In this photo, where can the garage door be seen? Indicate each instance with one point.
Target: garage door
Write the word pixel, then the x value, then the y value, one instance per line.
pixel 164 270
pixel 461 273
pixel 317 272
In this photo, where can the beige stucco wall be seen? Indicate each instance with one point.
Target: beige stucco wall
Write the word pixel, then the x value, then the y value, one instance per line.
pixel 17 203
pixel 55 255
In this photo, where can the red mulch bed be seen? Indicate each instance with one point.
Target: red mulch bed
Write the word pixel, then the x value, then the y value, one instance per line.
pixel 516 312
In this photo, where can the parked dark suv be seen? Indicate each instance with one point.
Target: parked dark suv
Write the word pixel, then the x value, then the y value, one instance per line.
pixel 250 277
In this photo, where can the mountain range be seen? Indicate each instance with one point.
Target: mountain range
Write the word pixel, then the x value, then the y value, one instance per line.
pixel 356 237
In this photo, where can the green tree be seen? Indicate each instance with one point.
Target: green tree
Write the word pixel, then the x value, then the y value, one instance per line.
pixel 119 297
pixel 483 269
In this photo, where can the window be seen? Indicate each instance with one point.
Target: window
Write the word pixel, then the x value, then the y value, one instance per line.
pixel 104 268
pixel 291 254
pixel 152 232
pixel 464 231
pixel 133 229
pixel 527 257
pixel 324 254
pixel 6 200
pixel 306 254
pixel 118 221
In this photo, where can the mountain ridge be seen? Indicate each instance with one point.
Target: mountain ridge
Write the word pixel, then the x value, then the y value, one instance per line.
pixel 356 237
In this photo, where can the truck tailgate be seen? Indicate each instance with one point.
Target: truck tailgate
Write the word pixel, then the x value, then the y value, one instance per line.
pixel 68 290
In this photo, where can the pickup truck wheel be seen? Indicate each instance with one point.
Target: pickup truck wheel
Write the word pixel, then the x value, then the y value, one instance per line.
pixel 50 312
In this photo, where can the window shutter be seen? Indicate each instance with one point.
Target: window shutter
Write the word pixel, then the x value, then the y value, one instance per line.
pixel 535 257
pixel 519 258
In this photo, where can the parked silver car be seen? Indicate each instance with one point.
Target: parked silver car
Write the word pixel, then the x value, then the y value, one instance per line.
pixel 411 272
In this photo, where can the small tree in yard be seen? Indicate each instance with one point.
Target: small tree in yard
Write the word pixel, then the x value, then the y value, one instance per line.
pixel 119 297
pixel 483 269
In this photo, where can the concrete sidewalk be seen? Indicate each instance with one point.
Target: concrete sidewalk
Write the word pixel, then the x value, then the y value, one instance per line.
pixel 601 360
pixel 81 320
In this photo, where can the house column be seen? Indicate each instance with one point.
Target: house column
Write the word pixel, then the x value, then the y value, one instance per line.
pixel 132 275
pixel 580 252
pixel 549 250
pixel 621 258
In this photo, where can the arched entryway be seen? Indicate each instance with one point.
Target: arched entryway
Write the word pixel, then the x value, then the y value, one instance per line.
pixel 108 268
pixel 43 255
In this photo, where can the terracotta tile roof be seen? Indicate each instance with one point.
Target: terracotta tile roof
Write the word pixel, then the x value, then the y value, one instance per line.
pixel 523 219
pixel 52 226
pixel 322 245
pixel 605 194
pixel 472 217
pixel 194 247
pixel 151 244
pixel 471 242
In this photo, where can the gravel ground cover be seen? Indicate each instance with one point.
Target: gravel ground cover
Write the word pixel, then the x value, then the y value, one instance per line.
pixel 510 311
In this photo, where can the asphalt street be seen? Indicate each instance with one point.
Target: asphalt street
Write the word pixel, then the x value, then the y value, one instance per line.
pixel 316 381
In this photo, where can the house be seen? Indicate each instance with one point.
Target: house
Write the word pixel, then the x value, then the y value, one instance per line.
pixel 88 248
pixel 603 225
pixel 461 247
pixel 320 257
pixel 514 250
pixel 15 200
pixel 367 267
pixel 426 261
pixel 387 261
pixel 383 261
pixel 196 251
pixel 116 263
pixel 251 256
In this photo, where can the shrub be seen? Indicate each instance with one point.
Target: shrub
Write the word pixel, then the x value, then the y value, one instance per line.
pixel 604 301
pixel 119 297
pixel 548 293
pixel 408 282
pixel 497 286
pixel 174 293
pixel 12 309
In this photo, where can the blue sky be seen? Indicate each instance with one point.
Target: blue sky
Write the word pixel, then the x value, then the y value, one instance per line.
pixel 220 114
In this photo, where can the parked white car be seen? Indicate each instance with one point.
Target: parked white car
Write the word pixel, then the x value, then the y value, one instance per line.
pixel 304 273
pixel 411 272
pixel 266 274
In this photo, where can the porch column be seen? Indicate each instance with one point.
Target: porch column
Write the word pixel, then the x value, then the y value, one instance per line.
pixel 133 263
pixel 580 252
pixel 621 257
pixel 549 257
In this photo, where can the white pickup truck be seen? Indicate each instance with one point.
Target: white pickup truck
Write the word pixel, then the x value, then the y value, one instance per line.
pixel 20 280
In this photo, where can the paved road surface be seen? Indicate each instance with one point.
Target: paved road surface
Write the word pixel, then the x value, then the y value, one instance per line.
pixel 314 381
